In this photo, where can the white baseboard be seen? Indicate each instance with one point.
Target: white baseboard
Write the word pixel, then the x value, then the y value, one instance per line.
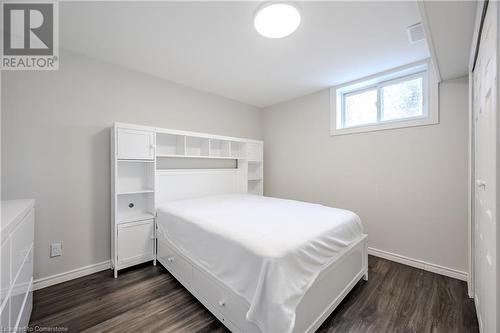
pixel 90 269
pixel 419 264
pixel 70 275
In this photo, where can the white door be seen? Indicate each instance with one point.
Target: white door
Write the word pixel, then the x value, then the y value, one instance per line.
pixel 485 145
pixel 135 144
pixel 135 243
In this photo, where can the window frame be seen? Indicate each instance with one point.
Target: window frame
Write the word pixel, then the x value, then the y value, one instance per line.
pixel 377 82
pixel 354 93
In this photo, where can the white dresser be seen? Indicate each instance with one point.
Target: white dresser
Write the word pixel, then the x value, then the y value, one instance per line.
pixel 16 264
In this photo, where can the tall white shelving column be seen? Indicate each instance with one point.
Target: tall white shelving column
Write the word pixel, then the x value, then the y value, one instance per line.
pixel 255 160
pixel 133 168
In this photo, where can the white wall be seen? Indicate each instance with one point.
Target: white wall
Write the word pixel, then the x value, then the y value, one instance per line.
pixel 408 185
pixel 55 145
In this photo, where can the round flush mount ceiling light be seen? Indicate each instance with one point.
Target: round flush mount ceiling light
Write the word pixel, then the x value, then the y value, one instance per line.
pixel 276 19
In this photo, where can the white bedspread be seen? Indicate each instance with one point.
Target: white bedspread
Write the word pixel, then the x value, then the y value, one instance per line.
pixel 267 250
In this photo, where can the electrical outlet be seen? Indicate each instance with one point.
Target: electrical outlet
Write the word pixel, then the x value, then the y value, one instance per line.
pixel 55 250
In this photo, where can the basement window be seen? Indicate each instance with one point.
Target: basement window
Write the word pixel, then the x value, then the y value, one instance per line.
pixel 399 98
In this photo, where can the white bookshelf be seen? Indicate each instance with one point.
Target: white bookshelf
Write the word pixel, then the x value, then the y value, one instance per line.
pixel 135 151
pixel 133 167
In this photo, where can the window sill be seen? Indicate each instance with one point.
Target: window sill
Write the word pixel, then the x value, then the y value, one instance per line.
pixel 386 126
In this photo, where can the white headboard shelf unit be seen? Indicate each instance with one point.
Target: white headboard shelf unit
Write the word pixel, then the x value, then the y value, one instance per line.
pixel 138 184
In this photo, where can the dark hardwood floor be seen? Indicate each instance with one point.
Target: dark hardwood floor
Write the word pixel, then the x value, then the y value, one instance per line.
pixel 397 298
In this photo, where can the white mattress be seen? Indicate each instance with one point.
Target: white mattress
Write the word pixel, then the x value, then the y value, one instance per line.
pixel 267 250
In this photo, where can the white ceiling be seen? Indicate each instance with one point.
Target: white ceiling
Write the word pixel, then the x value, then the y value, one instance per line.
pixel 212 46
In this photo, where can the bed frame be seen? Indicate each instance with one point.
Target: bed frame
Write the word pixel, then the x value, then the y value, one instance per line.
pixel 329 289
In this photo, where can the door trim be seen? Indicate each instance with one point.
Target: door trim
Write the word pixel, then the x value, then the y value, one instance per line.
pixel 470 194
pixel 480 17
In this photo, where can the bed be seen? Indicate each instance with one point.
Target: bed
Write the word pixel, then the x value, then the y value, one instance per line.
pixel 259 264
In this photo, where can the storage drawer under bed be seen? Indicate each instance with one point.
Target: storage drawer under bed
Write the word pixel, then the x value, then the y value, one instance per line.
pixel 224 304
pixel 231 306
pixel 175 263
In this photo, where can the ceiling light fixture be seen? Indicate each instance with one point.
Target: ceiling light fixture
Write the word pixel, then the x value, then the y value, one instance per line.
pixel 276 19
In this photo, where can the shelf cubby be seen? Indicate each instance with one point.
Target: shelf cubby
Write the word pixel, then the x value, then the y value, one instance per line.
pixel 255 171
pixel 256 186
pixel 170 144
pixel 135 207
pixel 238 149
pixel 219 148
pixel 196 146
pixel 134 177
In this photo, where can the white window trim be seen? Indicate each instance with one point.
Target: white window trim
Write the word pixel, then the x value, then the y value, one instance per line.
pixel 430 96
